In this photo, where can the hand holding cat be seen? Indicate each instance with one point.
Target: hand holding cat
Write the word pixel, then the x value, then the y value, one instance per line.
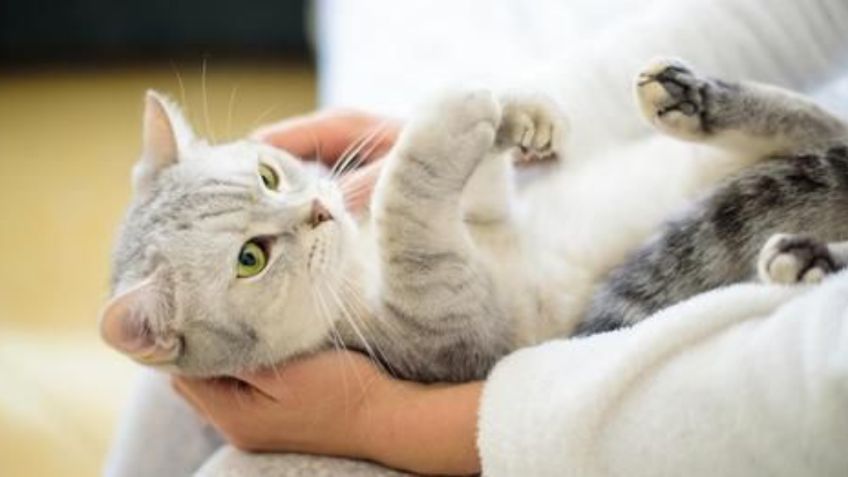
pixel 340 403
pixel 333 136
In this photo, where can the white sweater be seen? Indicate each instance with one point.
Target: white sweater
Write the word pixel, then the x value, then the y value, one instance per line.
pixel 747 380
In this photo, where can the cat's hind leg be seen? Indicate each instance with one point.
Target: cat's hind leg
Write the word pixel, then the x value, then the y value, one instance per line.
pixel 755 119
pixel 789 258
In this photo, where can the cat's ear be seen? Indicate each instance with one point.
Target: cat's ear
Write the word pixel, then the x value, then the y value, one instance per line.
pixel 165 132
pixel 125 325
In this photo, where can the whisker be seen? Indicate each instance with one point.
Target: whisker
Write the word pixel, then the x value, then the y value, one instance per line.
pixel 353 150
pixel 368 139
pixel 230 105
pixel 325 312
pixel 355 300
pixel 264 115
pixel 345 314
pixel 364 156
pixel 183 98
pixel 345 154
pixel 210 132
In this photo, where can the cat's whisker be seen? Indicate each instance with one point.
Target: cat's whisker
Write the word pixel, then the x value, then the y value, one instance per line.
pixel 353 151
pixel 355 300
pixel 345 313
pixel 372 138
pixel 230 106
pixel 319 287
pixel 345 154
pixel 354 146
pixel 267 112
pixel 181 85
pixel 323 312
pixel 352 317
pixel 366 155
pixel 209 130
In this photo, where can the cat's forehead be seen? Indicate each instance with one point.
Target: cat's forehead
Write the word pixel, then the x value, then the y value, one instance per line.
pixel 243 152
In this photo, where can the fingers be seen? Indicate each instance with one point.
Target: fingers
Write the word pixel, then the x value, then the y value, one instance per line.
pixel 302 136
pixel 218 400
pixel 311 376
pixel 330 136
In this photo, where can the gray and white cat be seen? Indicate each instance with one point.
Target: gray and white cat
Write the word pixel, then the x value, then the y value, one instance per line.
pixel 235 256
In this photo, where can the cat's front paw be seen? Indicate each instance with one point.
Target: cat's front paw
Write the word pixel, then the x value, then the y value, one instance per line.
pixel 534 124
pixel 458 127
pixel 788 259
pixel 673 98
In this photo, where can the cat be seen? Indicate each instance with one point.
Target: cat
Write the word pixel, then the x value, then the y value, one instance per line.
pixel 234 256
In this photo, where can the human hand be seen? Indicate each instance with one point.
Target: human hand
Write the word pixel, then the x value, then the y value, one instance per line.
pixel 334 138
pixel 340 403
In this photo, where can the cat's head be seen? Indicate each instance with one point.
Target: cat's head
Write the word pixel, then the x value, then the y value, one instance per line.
pixel 223 247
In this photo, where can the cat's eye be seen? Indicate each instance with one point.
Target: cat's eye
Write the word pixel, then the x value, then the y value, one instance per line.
pixel 252 259
pixel 269 177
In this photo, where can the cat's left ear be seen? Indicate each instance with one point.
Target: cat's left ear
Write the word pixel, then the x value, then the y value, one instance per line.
pixel 165 133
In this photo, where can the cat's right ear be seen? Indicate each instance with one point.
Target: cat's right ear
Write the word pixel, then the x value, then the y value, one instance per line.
pixel 126 325
pixel 164 131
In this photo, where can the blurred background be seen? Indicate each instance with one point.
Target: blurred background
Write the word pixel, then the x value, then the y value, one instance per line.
pixel 72 79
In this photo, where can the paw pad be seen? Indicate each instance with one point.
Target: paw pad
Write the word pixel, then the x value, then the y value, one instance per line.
pixel 789 259
pixel 672 97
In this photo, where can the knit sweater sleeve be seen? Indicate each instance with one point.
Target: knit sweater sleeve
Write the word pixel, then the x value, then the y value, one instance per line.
pixel 746 380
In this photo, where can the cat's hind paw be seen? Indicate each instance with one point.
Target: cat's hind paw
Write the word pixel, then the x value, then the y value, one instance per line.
pixel 788 259
pixel 673 98
pixel 534 124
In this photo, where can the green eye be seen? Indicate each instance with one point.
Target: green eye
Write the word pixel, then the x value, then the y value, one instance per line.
pixel 251 259
pixel 269 177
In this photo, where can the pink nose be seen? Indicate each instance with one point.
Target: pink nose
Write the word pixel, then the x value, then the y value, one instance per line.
pixel 319 214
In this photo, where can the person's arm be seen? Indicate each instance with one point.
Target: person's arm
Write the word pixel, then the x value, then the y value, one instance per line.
pixel 339 403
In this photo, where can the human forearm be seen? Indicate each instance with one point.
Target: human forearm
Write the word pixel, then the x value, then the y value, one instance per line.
pixel 425 429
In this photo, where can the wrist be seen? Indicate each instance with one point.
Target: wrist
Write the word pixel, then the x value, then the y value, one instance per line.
pixel 427 429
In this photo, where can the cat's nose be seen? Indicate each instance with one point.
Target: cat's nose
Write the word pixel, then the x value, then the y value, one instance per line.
pixel 319 214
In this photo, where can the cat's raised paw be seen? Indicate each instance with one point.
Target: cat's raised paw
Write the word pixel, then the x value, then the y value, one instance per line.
pixel 672 97
pixel 457 126
pixel 534 124
pixel 788 259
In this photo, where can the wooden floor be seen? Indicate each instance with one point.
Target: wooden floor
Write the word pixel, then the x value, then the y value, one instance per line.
pixel 67 143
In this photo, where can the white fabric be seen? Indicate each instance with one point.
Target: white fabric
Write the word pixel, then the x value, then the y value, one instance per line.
pixel 741 381
pixel 386 56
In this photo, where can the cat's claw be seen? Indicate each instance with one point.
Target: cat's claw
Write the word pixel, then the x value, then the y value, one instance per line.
pixel 788 259
pixel 534 124
pixel 673 97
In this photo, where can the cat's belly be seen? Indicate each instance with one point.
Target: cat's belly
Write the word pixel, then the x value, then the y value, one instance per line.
pixel 573 226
